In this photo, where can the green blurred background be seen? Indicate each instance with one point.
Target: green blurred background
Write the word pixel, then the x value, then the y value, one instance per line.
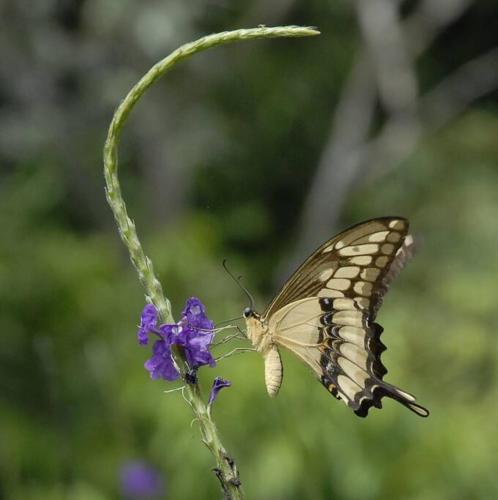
pixel 256 153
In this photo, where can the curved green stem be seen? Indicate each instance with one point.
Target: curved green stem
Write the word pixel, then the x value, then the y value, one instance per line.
pixel 225 466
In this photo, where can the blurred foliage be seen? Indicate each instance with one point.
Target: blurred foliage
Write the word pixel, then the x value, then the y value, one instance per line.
pixel 75 401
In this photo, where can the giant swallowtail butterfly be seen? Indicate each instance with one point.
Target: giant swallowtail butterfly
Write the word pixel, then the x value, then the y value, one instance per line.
pixel 325 314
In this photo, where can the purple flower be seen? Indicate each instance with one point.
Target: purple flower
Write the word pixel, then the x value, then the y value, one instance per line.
pixel 195 315
pixel 218 384
pixel 161 364
pixel 196 345
pixel 148 323
pixel 139 480
pixel 169 333
pixel 194 332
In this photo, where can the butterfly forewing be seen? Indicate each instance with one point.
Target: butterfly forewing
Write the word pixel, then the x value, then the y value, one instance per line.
pixel 351 264
pixel 325 313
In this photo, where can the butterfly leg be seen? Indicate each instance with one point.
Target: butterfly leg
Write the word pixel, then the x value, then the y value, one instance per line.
pixel 237 350
pixel 228 338
pixel 174 390
pixel 220 329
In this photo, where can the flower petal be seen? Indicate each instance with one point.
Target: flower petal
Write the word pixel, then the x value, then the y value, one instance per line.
pixel 148 323
pixel 197 358
pixel 160 365
pixel 218 384
pixel 195 334
pixel 200 340
pixel 197 348
pixel 169 333
pixel 195 314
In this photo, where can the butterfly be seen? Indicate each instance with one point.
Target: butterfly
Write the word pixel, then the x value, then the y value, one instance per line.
pixel 325 314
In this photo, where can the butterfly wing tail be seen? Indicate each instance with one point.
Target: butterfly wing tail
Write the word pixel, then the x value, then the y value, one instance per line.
pixel 390 391
pixel 406 399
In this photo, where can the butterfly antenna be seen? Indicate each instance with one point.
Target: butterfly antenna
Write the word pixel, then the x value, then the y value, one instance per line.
pixel 242 287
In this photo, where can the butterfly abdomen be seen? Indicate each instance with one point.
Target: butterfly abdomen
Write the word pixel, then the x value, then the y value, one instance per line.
pixel 273 371
pixel 257 333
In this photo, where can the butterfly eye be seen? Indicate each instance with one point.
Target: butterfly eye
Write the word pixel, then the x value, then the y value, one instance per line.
pixel 247 312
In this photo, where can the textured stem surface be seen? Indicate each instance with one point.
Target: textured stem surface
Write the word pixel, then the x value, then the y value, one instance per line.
pixel 225 470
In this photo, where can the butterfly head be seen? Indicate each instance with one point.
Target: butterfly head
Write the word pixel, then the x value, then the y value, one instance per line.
pixel 248 313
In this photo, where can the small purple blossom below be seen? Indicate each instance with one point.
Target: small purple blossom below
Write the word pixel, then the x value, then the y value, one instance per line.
pixel 194 332
pixel 140 481
pixel 218 384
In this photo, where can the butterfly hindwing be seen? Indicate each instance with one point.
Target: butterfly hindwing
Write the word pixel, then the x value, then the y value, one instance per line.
pixel 352 369
pixel 325 313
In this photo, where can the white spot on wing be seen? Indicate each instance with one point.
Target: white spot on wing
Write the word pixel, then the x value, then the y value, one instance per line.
pixel 347 272
pixel 363 260
pixel 343 304
pixel 378 237
pixel 363 288
pixel 370 274
pixel 325 275
pixel 359 250
pixel 397 224
pixel 362 302
pixel 326 292
pixel 339 284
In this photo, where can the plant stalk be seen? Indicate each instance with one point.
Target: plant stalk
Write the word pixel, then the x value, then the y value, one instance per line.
pixel 225 469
